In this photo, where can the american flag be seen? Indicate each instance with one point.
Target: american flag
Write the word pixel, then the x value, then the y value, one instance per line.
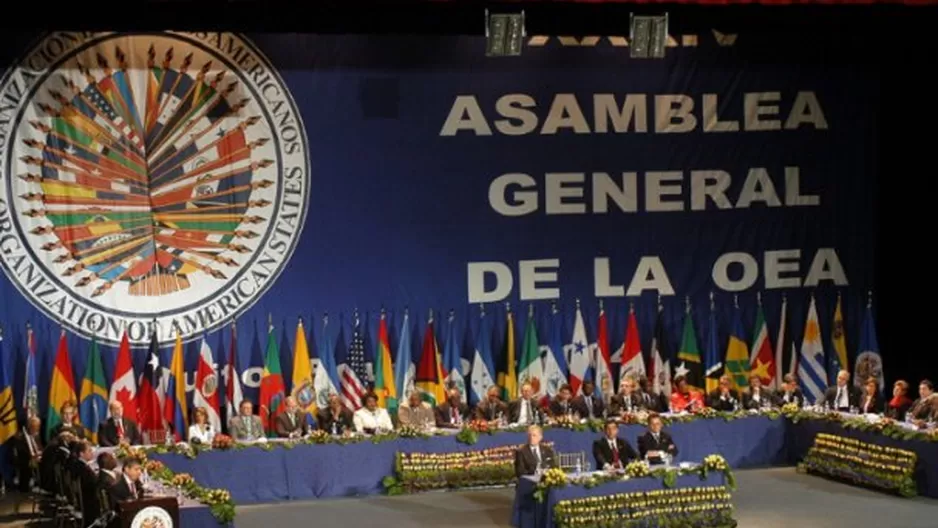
pixel 352 371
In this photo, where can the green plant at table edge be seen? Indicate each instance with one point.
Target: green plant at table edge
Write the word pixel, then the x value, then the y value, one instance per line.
pixel 222 510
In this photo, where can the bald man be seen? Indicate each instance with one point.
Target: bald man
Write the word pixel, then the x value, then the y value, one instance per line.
pixel 844 395
pixel 117 428
pixel 292 422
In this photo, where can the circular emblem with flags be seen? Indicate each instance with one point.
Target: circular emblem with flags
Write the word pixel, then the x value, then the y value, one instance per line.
pixel 209 385
pixel 143 176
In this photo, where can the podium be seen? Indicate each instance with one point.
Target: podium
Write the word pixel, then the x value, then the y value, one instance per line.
pixel 148 512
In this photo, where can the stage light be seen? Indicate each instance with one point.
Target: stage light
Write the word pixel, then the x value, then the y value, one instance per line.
pixel 648 36
pixel 504 34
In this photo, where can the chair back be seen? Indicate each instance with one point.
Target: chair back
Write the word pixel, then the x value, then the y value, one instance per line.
pixel 155 437
pixel 568 461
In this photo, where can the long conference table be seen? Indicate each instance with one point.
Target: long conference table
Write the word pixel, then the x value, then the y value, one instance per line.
pixel 306 471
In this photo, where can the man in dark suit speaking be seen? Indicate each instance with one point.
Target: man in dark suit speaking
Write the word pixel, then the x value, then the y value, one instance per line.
pixel 533 457
pixel 656 443
pixel 610 451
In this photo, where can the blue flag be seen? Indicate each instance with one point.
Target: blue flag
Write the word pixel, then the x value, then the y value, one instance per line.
pixel 869 362
pixel 483 366
pixel 403 368
pixel 713 361
pixel 452 360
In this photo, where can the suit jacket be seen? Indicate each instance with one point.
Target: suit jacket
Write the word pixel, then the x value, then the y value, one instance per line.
pixel 344 421
pixel 765 396
pixel 23 458
pixel 622 403
pixel 579 403
pixel 88 480
pixel 239 427
pixel 417 417
pixel 925 409
pixel 488 410
pixel 647 443
pixel 285 428
pixel 121 491
pixel 107 433
pixel 526 462
pixel 714 400
pixel 796 397
pixel 853 396
pixel 76 429
pixel 603 453
pixel 443 414
pixel 556 408
pixel 875 405
pixel 514 410
pixel 104 480
pixel 898 412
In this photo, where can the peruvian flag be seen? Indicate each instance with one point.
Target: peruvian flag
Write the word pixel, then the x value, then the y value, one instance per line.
pixel 206 386
pixel 124 384
pixel 632 363
pixel 579 353
pixel 150 412
pixel 603 364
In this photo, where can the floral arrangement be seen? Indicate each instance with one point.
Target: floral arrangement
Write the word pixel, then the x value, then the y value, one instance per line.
pixel 565 421
pixel 218 500
pixel 550 478
pixel 699 506
pixel 416 472
pixel 480 426
pixel 182 479
pixel 409 431
pixel 318 437
pixel 637 469
pixel 222 441
pixel 866 464
pixel 126 452
pixel 715 463
pixel 790 409
pixel 705 412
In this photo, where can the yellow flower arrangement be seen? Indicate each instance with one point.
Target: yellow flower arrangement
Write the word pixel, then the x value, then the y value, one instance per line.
pixel 182 479
pixel 637 469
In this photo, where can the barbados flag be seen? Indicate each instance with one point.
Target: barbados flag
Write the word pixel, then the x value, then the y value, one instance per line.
pixel 7 406
pixel 62 388
pixel 175 410
pixel 93 404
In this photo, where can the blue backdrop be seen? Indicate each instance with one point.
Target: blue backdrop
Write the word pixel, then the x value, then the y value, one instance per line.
pixel 398 208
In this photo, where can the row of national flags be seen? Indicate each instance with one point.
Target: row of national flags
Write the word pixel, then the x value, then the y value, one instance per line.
pixel 395 362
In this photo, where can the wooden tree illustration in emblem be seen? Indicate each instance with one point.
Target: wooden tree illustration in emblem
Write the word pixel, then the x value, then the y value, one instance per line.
pixel 149 187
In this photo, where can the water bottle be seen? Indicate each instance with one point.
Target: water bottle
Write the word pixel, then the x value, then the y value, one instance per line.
pixel 335 429
pixel 579 467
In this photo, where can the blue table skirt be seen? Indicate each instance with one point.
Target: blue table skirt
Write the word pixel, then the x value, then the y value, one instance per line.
pixel 528 513
pixel 254 475
pixel 801 437
pixel 199 516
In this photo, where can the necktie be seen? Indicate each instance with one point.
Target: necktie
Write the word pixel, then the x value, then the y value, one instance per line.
pixel 32 444
pixel 537 455
pixel 120 429
pixel 527 410
pixel 615 453
pixel 250 428
pixel 292 420
pixel 589 406
pixel 455 415
pixel 133 489
pixel 656 438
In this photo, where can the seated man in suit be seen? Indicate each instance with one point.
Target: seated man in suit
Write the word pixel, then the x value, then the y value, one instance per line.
pixel 245 427
pixel 27 452
pixel 117 429
pixel 789 393
pixel 372 419
pixel 335 418
pixel 128 487
pixel 418 413
pixel 55 454
pixel 291 423
pixel 655 443
pixel 843 396
pixel 80 468
pixel 107 470
pixel 587 405
pixel 610 451
pixel 525 410
pixel 724 398
pixel 70 422
pixel 492 408
pixel 562 404
pixel 628 400
pixel 651 401
pixel 533 457
pixel 757 396
pixel 925 408
pixel 452 413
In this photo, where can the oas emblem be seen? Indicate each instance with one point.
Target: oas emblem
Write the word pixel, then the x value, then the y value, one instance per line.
pixel 152 517
pixel 209 385
pixel 148 176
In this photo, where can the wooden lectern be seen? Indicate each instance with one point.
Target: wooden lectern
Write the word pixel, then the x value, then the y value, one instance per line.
pixel 143 512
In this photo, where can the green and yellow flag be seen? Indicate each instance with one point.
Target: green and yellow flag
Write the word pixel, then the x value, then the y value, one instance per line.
pixel 737 355
pixel 92 407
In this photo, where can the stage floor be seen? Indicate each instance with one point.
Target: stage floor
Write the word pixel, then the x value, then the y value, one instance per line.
pixel 766 498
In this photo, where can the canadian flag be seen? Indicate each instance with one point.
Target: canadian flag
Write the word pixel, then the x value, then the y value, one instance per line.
pixel 124 386
pixel 206 387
